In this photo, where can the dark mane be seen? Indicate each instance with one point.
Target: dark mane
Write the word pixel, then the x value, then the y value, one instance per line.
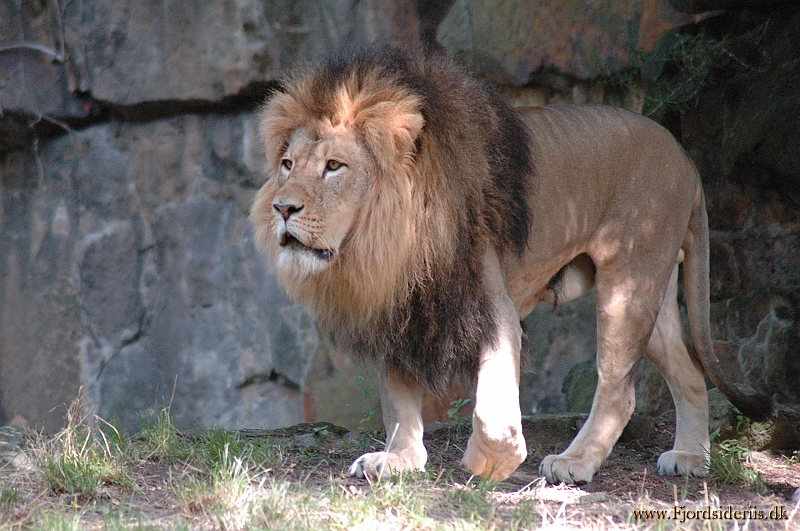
pixel 438 330
pixel 455 104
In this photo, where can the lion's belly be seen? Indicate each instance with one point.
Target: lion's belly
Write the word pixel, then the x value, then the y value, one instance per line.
pixel 527 281
pixel 603 178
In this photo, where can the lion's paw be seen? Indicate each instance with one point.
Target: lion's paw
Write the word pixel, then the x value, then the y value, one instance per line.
pixel 569 470
pixel 494 459
pixel 677 463
pixel 375 465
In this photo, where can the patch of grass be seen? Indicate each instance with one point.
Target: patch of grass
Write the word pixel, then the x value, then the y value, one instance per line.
pixel 78 463
pixel 219 480
pixel 794 458
pixel 474 500
pixel 215 449
pixel 727 466
pixel 525 515
pixel 227 481
pixel 9 495
pixel 120 520
pixel 115 441
pixel 161 439
pixel 385 503
pixel 228 499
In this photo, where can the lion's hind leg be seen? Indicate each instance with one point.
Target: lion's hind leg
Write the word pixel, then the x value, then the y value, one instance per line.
pixel 402 418
pixel 667 350
pixel 628 299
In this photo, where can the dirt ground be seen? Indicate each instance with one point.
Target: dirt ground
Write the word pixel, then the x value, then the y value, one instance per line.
pixel 316 455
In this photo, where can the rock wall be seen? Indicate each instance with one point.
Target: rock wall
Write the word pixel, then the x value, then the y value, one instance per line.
pixel 129 157
pixel 129 270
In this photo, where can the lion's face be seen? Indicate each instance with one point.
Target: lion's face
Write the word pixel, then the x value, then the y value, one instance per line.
pixel 336 216
pixel 313 198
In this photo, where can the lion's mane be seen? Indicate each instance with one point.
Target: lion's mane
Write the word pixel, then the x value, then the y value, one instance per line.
pixel 451 171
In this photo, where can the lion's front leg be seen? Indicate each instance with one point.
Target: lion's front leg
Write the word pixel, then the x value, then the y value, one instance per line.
pixel 402 418
pixel 497 447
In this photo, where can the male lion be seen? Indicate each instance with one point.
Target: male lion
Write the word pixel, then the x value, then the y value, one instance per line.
pixel 419 218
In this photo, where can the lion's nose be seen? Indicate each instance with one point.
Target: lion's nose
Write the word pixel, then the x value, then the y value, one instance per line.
pixel 286 211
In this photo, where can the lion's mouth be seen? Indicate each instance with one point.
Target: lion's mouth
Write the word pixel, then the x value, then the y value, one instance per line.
pixel 289 241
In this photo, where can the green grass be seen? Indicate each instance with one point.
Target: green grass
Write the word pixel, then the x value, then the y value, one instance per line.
pixel 77 463
pixel 9 495
pixel 727 465
pixel 90 476
pixel 162 441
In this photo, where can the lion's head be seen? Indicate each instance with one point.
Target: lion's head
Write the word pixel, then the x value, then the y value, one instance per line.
pixel 389 174
pixel 336 215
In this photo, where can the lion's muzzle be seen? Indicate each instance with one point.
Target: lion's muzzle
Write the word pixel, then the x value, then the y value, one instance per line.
pixel 288 241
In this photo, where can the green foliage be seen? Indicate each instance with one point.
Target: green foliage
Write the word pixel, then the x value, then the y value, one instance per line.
pixel 115 441
pixel 227 496
pixel 727 465
pixel 215 450
pixel 53 521
pixel 361 383
pixel 676 69
pixel 455 408
pixel 320 430
pixel 475 500
pixel 679 66
pixel 794 458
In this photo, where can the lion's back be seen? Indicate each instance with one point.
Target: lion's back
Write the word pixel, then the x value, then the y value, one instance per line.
pixel 583 142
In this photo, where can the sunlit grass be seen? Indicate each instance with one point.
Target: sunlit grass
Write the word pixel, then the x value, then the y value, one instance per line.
pixel 95 478
pixel 78 463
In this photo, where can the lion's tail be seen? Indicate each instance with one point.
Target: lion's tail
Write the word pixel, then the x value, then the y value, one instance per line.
pixel 756 406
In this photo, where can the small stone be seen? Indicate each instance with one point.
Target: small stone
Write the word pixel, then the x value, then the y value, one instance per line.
pixel 307 440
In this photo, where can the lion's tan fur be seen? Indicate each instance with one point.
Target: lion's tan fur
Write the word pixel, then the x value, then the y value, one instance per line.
pixel 459 216
pixel 440 189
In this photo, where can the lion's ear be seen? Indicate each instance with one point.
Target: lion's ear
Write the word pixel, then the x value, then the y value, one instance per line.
pixel 278 119
pixel 391 128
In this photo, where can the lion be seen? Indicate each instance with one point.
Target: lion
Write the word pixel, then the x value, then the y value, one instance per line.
pixel 419 219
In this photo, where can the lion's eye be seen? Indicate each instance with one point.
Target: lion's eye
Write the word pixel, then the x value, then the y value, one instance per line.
pixel 286 164
pixel 333 165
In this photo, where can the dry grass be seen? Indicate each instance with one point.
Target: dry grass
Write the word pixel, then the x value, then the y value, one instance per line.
pixel 161 479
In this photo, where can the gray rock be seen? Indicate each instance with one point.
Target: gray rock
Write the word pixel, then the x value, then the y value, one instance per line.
pixel 511 41
pixel 557 341
pixel 128 52
pixel 35 85
pixel 129 270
